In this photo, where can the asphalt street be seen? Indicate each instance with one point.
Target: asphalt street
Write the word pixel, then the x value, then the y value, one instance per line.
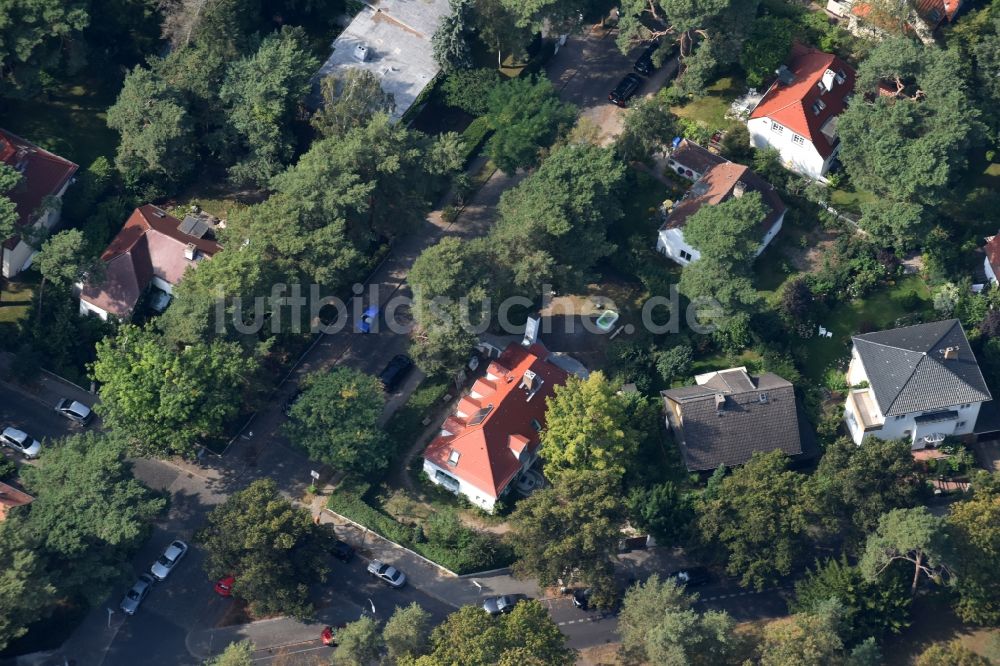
pixel 32 414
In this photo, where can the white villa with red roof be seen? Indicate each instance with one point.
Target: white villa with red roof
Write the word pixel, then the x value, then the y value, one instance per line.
pixel 798 113
pixel 716 179
pixel 493 435
pixel 42 175
pixel 153 250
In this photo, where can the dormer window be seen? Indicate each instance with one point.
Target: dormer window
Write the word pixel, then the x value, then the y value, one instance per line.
pixel 841 76
pixel 536 425
pixel 818 106
pixel 453 458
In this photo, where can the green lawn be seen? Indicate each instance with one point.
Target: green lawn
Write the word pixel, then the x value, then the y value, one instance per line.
pixel 849 200
pixel 71 122
pixel 876 311
pixel 721 361
pixel 712 108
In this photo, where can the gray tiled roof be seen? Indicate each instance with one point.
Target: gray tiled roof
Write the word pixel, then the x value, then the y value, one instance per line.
pixel 908 372
pixel 711 436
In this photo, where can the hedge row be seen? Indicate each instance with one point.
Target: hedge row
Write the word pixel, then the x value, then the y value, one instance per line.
pixel 474 136
pixel 453 546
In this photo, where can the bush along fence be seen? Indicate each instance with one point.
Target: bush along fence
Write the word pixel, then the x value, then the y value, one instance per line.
pixel 443 539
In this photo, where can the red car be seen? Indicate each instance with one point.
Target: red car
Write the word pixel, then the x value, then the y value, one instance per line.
pixel 224 587
pixel 327 637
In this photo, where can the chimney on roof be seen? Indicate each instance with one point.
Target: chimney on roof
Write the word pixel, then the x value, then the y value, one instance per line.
pixel 528 381
pixel 720 402
pixel 828 78
pixel 190 251
pixel 361 53
pixel 950 353
pixel 739 189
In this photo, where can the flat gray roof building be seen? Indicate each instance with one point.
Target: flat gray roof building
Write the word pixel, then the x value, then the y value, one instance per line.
pixel 391 38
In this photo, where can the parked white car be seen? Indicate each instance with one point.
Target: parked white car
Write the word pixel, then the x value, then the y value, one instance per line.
pixel 20 442
pixel 171 556
pixel 389 575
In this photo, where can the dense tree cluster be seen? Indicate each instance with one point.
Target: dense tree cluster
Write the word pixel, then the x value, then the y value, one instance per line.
pixel 70 544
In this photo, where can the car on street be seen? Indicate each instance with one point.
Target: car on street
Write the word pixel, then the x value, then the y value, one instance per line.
pixel 691 577
pixel 75 411
pixel 644 64
pixel 368 319
pixel 625 90
pixel 20 442
pixel 395 372
pixel 171 556
pixel 328 637
pixel 224 586
pixel 581 598
pixel 389 575
pixel 342 551
pixel 133 598
pixel 503 604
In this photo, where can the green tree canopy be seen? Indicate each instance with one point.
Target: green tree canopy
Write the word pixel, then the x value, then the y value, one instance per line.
pixel 766 47
pixel 273 548
pixel 261 93
pixel 804 638
pixel 587 428
pixel 758 519
pixel 157 138
pixel 570 530
pixel 336 420
pixel 553 225
pixel 164 401
pixel 915 536
pixel 525 115
pixel 407 632
pixel 451 282
pixel 35 37
pixel 647 127
pixel 658 625
pixel 951 653
pixel 235 654
pixel 526 636
pixel 854 485
pixel 89 513
pixel 358 643
pixel 974 525
pixel 868 609
pixel 350 100
pixel 451 39
pixel 922 135
pixel 26 592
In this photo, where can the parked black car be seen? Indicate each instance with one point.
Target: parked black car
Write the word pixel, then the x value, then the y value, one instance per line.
pixel 342 551
pixel 395 372
pixel 581 598
pixel 625 90
pixel 644 65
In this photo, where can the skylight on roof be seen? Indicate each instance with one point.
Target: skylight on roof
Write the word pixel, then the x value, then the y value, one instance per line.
pixel 481 415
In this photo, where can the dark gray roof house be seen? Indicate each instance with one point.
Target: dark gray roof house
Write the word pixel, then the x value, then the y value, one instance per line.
pixel 729 415
pixel 921 368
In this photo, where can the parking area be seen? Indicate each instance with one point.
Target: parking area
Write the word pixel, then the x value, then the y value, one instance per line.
pixel 596 55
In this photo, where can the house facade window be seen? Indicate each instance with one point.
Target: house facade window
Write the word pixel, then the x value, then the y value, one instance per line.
pixel 685 255
pixel 966 405
pixel 798 140
pixel 777 128
pixel 960 424
pixel 900 417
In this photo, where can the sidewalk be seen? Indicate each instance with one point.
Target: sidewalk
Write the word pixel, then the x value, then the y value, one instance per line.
pixel 47 387
pixel 430 578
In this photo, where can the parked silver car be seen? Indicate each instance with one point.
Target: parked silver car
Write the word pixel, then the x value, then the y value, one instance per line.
pixel 503 604
pixel 391 576
pixel 132 599
pixel 75 411
pixel 20 442
pixel 166 563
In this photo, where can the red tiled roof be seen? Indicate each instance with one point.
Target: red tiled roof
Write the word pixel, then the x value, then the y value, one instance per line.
pixel 42 174
pixel 488 449
pixel 149 245
pixel 934 12
pixel 11 497
pixel 717 185
pixel 993 253
pixel 792 105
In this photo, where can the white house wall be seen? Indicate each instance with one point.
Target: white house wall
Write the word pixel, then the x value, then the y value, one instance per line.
pixel 802 158
pixel 989 271
pixel 671 243
pixel 480 498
